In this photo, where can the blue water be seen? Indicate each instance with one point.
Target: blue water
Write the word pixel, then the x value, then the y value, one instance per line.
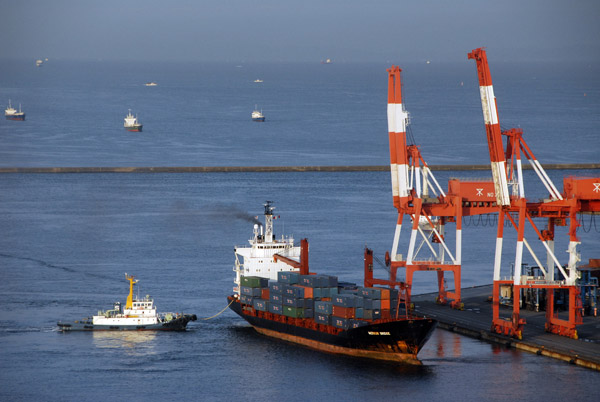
pixel 68 239
pixel 199 114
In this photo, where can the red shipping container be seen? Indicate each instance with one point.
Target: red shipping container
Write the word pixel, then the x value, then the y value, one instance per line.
pixel 343 312
pixel 385 304
pixel 386 314
pixel 264 293
pixel 308 292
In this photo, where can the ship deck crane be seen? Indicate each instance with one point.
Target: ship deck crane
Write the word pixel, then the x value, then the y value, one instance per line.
pixel 580 195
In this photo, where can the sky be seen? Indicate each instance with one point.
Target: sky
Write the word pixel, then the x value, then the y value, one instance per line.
pixel 299 30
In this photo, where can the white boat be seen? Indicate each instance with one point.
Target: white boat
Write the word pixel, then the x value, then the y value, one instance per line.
pixel 11 113
pixel 138 315
pixel 39 62
pixel 151 84
pixel 258 80
pixel 257 115
pixel 132 123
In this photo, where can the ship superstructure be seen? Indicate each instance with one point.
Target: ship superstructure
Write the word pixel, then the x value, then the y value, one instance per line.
pixel 11 113
pixel 257 115
pixel 131 123
pixel 259 258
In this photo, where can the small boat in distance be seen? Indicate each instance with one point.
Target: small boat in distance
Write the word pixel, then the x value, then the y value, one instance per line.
pixel 131 123
pixel 258 80
pixel 257 115
pixel 39 62
pixel 138 315
pixel 151 84
pixel 11 113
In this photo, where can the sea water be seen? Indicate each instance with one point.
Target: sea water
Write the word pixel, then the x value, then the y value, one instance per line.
pixel 68 239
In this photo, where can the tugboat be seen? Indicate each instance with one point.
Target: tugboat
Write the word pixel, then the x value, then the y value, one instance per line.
pixel 11 113
pixel 257 115
pixel 138 315
pixel 275 292
pixel 131 123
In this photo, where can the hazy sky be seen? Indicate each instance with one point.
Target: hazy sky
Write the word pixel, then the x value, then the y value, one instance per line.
pixel 299 30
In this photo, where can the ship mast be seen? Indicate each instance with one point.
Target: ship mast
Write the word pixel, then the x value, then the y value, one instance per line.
pixel 269 221
pixel 132 282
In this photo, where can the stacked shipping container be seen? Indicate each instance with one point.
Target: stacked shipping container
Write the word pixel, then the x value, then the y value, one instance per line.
pixel 319 297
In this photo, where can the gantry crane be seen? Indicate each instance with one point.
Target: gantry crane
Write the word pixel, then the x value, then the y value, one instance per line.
pixel 580 195
pixel 418 195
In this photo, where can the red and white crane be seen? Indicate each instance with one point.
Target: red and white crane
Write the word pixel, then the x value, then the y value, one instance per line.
pixel 578 196
pixel 418 195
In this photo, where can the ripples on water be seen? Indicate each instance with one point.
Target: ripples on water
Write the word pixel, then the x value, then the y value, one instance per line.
pixel 68 240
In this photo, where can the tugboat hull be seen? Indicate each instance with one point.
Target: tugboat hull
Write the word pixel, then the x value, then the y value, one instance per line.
pixel 177 324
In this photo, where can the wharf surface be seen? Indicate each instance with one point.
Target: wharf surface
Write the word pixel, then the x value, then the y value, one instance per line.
pixel 267 169
pixel 476 320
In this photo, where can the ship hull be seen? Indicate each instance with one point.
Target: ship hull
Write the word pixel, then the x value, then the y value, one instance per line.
pixel 135 129
pixel 177 324
pixel 260 119
pixel 392 340
pixel 17 117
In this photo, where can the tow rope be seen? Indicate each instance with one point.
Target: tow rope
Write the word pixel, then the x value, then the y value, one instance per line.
pixel 220 312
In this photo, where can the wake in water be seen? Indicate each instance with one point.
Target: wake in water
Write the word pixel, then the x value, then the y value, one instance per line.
pixel 54 266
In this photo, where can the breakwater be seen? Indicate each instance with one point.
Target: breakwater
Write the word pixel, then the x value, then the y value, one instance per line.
pixel 267 169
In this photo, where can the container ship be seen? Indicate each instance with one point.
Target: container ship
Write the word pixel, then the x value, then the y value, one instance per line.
pixel 275 292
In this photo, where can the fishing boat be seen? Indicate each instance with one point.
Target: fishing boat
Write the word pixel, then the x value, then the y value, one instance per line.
pixel 275 292
pixel 132 123
pixel 139 314
pixel 257 115
pixel 11 113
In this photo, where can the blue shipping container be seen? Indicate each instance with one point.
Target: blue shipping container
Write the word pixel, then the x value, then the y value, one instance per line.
pixel 343 300
pixel 276 298
pixel 293 302
pixel 294 291
pixel 338 322
pixel 260 304
pixel 324 307
pixel 288 277
pixel 252 292
pixel 246 299
pixel 275 308
pixel 276 287
pixel 323 318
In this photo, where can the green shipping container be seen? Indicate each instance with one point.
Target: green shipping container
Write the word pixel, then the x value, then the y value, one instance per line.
pixel 254 281
pixel 294 312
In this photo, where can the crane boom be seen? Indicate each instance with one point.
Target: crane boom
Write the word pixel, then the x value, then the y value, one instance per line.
pixel 492 126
